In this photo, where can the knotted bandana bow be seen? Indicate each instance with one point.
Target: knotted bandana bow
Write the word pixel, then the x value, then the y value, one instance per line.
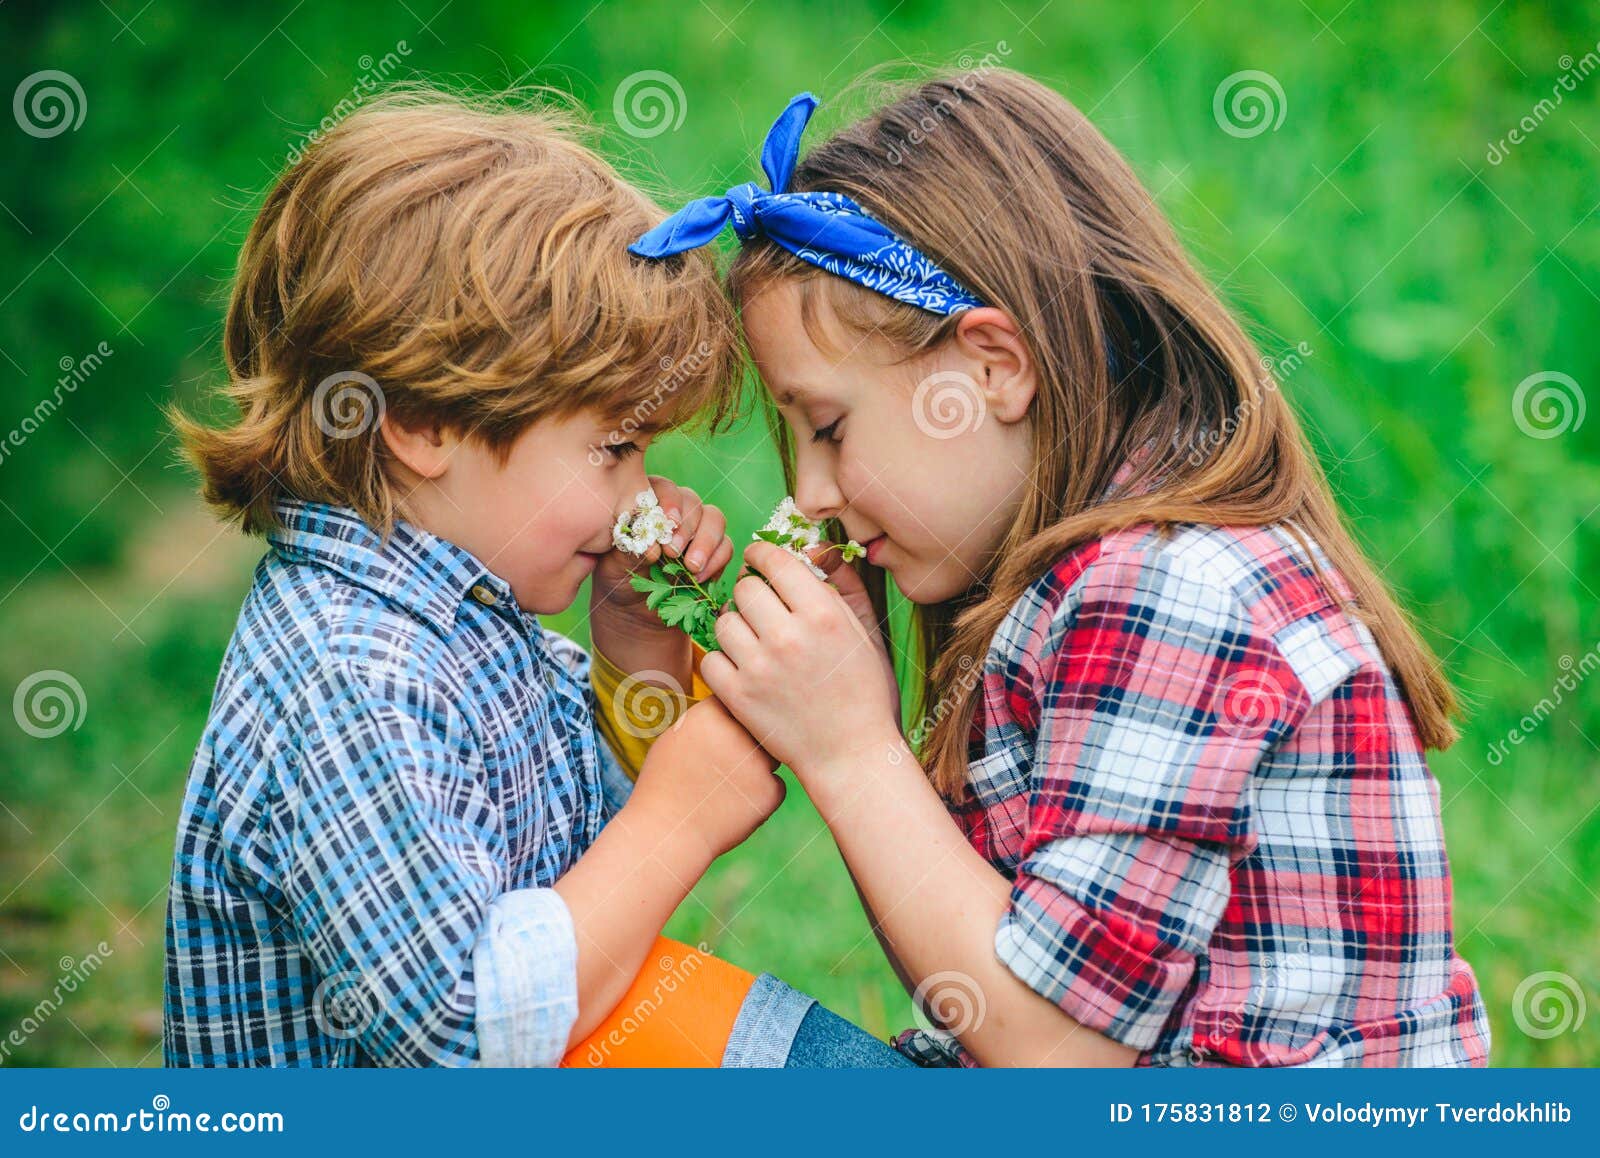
pixel 829 230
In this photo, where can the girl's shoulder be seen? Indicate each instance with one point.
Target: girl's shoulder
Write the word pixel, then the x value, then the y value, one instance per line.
pixel 1260 580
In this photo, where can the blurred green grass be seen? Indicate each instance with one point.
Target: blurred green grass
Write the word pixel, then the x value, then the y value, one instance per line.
pixel 1419 283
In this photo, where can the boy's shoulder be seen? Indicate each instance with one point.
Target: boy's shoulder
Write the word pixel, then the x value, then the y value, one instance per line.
pixel 331 593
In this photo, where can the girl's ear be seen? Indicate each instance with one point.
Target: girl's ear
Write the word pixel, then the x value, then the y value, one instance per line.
pixel 1003 363
pixel 423 448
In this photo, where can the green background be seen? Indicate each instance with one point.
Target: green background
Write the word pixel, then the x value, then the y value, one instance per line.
pixel 1419 280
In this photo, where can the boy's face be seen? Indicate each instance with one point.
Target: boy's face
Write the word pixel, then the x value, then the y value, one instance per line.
pixel 543 519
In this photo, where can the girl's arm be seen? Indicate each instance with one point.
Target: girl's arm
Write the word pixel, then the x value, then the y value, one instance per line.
pixel 938 903
pixel 802 672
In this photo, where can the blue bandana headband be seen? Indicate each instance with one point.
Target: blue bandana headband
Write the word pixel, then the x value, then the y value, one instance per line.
pixel 829 230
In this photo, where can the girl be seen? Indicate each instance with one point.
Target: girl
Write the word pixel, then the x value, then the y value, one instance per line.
pixel 1166 802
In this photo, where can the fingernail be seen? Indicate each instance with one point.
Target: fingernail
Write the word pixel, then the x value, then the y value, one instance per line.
pixel 695 560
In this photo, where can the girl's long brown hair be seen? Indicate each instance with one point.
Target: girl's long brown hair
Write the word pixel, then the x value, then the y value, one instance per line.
pixel 1010 188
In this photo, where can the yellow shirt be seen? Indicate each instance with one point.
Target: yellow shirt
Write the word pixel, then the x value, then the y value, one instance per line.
pixel 630 714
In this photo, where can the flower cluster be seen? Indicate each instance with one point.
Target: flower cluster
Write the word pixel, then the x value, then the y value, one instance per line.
pixel 796 534
pixel 673 593
pixel 643 527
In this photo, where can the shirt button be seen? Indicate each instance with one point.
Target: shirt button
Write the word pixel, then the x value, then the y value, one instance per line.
pixel 483 595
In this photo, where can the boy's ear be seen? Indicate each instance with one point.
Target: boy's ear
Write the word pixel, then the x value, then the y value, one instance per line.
pixel 422 447
pixel 994 342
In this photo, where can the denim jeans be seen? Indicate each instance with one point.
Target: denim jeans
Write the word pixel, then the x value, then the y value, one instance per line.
pixel 779 1027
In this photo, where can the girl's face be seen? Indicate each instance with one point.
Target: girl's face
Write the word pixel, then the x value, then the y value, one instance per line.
pixel 925 463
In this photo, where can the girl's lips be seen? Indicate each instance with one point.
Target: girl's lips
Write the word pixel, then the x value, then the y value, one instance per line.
pixel 875 548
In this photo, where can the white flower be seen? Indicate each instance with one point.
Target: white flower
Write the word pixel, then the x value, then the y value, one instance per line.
pixel 796 534
pixel 643 527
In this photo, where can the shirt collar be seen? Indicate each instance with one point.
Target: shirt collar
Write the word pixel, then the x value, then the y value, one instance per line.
pixel 415 569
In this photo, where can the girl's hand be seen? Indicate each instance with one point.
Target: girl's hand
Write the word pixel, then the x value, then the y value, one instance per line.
pixel 701 541
pixel 800 670
pixel 846 579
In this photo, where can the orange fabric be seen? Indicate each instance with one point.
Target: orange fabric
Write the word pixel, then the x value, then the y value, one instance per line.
pixel 678 1013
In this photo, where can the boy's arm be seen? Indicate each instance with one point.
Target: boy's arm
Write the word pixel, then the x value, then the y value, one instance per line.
pixel 394 881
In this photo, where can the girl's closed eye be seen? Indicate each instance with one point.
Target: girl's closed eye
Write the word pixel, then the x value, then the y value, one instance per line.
pixel 621 450
pixel 828 433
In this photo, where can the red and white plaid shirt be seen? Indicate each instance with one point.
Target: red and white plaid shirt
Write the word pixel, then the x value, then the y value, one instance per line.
pixel 1223 836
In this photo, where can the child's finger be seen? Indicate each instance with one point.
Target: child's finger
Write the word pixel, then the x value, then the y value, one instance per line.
pixel 720 558
pixel 706 538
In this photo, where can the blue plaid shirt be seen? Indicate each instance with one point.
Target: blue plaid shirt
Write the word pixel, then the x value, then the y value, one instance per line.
pixel 398 765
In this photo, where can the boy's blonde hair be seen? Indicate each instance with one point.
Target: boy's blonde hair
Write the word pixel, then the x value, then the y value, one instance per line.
pixel 462 262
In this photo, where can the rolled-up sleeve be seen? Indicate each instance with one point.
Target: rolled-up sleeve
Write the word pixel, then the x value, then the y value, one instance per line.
pixel 526 966
pixel 396 883
pixel 1157 697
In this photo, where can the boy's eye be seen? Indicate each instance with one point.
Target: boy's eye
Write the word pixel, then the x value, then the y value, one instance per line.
pixel 826 433
pixel 621 450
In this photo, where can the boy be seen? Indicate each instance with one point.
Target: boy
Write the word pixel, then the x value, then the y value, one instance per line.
pixel 447 367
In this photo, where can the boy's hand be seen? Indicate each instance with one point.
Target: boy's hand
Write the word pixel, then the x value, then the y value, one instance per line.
pixel 707 779
pixel 701 541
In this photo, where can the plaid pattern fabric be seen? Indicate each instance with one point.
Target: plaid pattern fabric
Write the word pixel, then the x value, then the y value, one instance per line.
pixel 398 764
pixel 1223 836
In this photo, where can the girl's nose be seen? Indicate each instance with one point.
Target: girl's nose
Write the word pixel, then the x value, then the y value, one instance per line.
pixel 816 493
